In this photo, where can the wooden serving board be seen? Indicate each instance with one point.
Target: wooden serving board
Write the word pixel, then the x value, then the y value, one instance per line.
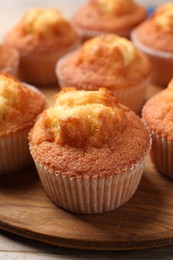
pixel 145 221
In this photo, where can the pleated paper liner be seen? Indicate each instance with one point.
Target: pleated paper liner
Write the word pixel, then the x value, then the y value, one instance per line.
pixel 162 154
pixel 14 152
pixel 39 69
pixel 14 149
pixel 86 34
pixel 91 195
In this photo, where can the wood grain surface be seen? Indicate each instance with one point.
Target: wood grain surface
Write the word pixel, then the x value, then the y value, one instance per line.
pixel 146 221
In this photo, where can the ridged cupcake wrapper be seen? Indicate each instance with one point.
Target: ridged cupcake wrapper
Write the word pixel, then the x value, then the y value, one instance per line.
pixel 91 195
pixel 40 69
pixel 14 152
pixel 162 62
pixel 13 67
pixel 162 154
pixel 85 34
pixel 14 148
pixel 133 96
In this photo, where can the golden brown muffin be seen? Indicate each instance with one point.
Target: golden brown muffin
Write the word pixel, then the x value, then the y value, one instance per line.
pixel 158 115
pixel 108 16
pixel 154 37
pixel 19 106
pixel 41 37
pixel 111 61
pixel 9 60
pixel 90 143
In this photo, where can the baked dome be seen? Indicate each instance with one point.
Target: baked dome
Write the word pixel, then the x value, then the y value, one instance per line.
pixel 109 16
pixel 45 25
pixel 115 7
pixel 158 113
pixel 109 59
pixel 157 31
pixel 163 17
pixel 19 105
pixel 79 118
pixel 109 48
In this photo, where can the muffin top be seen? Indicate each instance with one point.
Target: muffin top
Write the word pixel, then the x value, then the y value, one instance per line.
pixel 41 29
pixel 19 105
pixel 163 18
pixel 114 7
pixel 158 112
pixel 160 29
pixel 107 58
pixel 87 133
pixel 109 15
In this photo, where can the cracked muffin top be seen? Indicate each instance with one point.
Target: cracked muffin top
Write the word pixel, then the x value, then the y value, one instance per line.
pixel 159 28
pixel 88 133
pixel 110 16
pixel 19 105
pixel 41 29
pixel 108 58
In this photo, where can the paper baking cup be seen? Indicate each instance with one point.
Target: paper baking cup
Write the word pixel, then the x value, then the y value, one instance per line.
pixel 14 148
pixel 162 62
pixel 131 96
pixel 90 195
pixel 162 154
pixel 13 66
pixel 85 34
pixel 14 152
pixel 39 69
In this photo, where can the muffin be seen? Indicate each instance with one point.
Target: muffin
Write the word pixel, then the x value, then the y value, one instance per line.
pixel 9 60
pixel 89 151
pixel 41 37
pixel 108 16
pixel 109 61
pixel 19 106
pixel 154 37
pixel 158 116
